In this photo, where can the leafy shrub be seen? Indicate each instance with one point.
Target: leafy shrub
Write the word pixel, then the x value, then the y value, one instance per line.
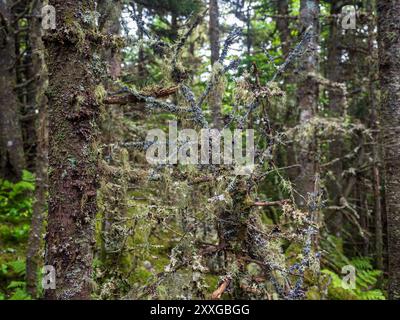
pixel 16 201
pixel 16 198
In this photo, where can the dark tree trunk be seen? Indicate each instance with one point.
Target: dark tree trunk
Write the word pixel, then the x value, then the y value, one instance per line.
pixel 249 36
pixel 39 71
pixel 282 25
pixel 142 71
pixel 336 108
pixel 308 99
pixel 215 97
pixel 12 159
pixel 74 102
pixel 389 65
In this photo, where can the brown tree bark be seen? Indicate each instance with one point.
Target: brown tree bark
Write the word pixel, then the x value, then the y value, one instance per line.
pixel 74 103
pixel 12 159
pixel 389 66
pixel 215 97
pixel 308 99
pixel 39 71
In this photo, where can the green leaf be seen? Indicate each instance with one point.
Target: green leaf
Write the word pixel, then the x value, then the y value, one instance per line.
pixel 16 284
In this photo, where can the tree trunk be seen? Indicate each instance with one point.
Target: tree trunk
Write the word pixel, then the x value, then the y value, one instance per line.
pixel 39 70
pixel 308 99
pixel 215 96
pixel 113 200
pixel 74 102
pixel 389 65
pixel 282 25
pixel 376 169
pixel 110 13
pixel 336 108
pixel 12 160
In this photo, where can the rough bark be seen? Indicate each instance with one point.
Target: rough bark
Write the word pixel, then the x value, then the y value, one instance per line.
pixel 308 99
pixel 39 70
pixel 389 65
pixel 74 102
pixel 12 160
pixel 215 97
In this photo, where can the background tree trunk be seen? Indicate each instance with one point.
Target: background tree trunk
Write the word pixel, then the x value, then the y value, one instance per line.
pixel 12 160
pixel 336 108
pixel 308 98
pixel 282 25
pixel 215 96
pixel 376 152
pixel 39 208
pixel 389 65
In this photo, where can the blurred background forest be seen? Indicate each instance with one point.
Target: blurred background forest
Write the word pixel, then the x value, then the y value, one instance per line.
pixel 76 190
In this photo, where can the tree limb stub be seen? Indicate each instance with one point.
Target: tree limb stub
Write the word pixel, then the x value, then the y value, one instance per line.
pixel 135 98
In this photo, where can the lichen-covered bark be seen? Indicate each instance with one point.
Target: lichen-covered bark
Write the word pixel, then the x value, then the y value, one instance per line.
pixel 39 71
pixel 74 75
pixel 389 65
pixel 308 98
pixel 12 160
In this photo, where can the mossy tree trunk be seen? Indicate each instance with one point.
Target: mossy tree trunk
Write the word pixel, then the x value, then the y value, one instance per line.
pixel 74 81
pixel 389 65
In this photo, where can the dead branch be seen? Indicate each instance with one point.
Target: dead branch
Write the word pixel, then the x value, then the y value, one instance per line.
pixel 132 98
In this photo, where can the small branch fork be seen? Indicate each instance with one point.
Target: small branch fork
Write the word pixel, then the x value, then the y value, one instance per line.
pixel 131 97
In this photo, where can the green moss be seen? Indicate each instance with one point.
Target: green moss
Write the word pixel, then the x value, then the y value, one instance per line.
pixel 100 93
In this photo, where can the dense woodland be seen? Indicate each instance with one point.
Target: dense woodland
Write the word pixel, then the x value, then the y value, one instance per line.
pixel 77 193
